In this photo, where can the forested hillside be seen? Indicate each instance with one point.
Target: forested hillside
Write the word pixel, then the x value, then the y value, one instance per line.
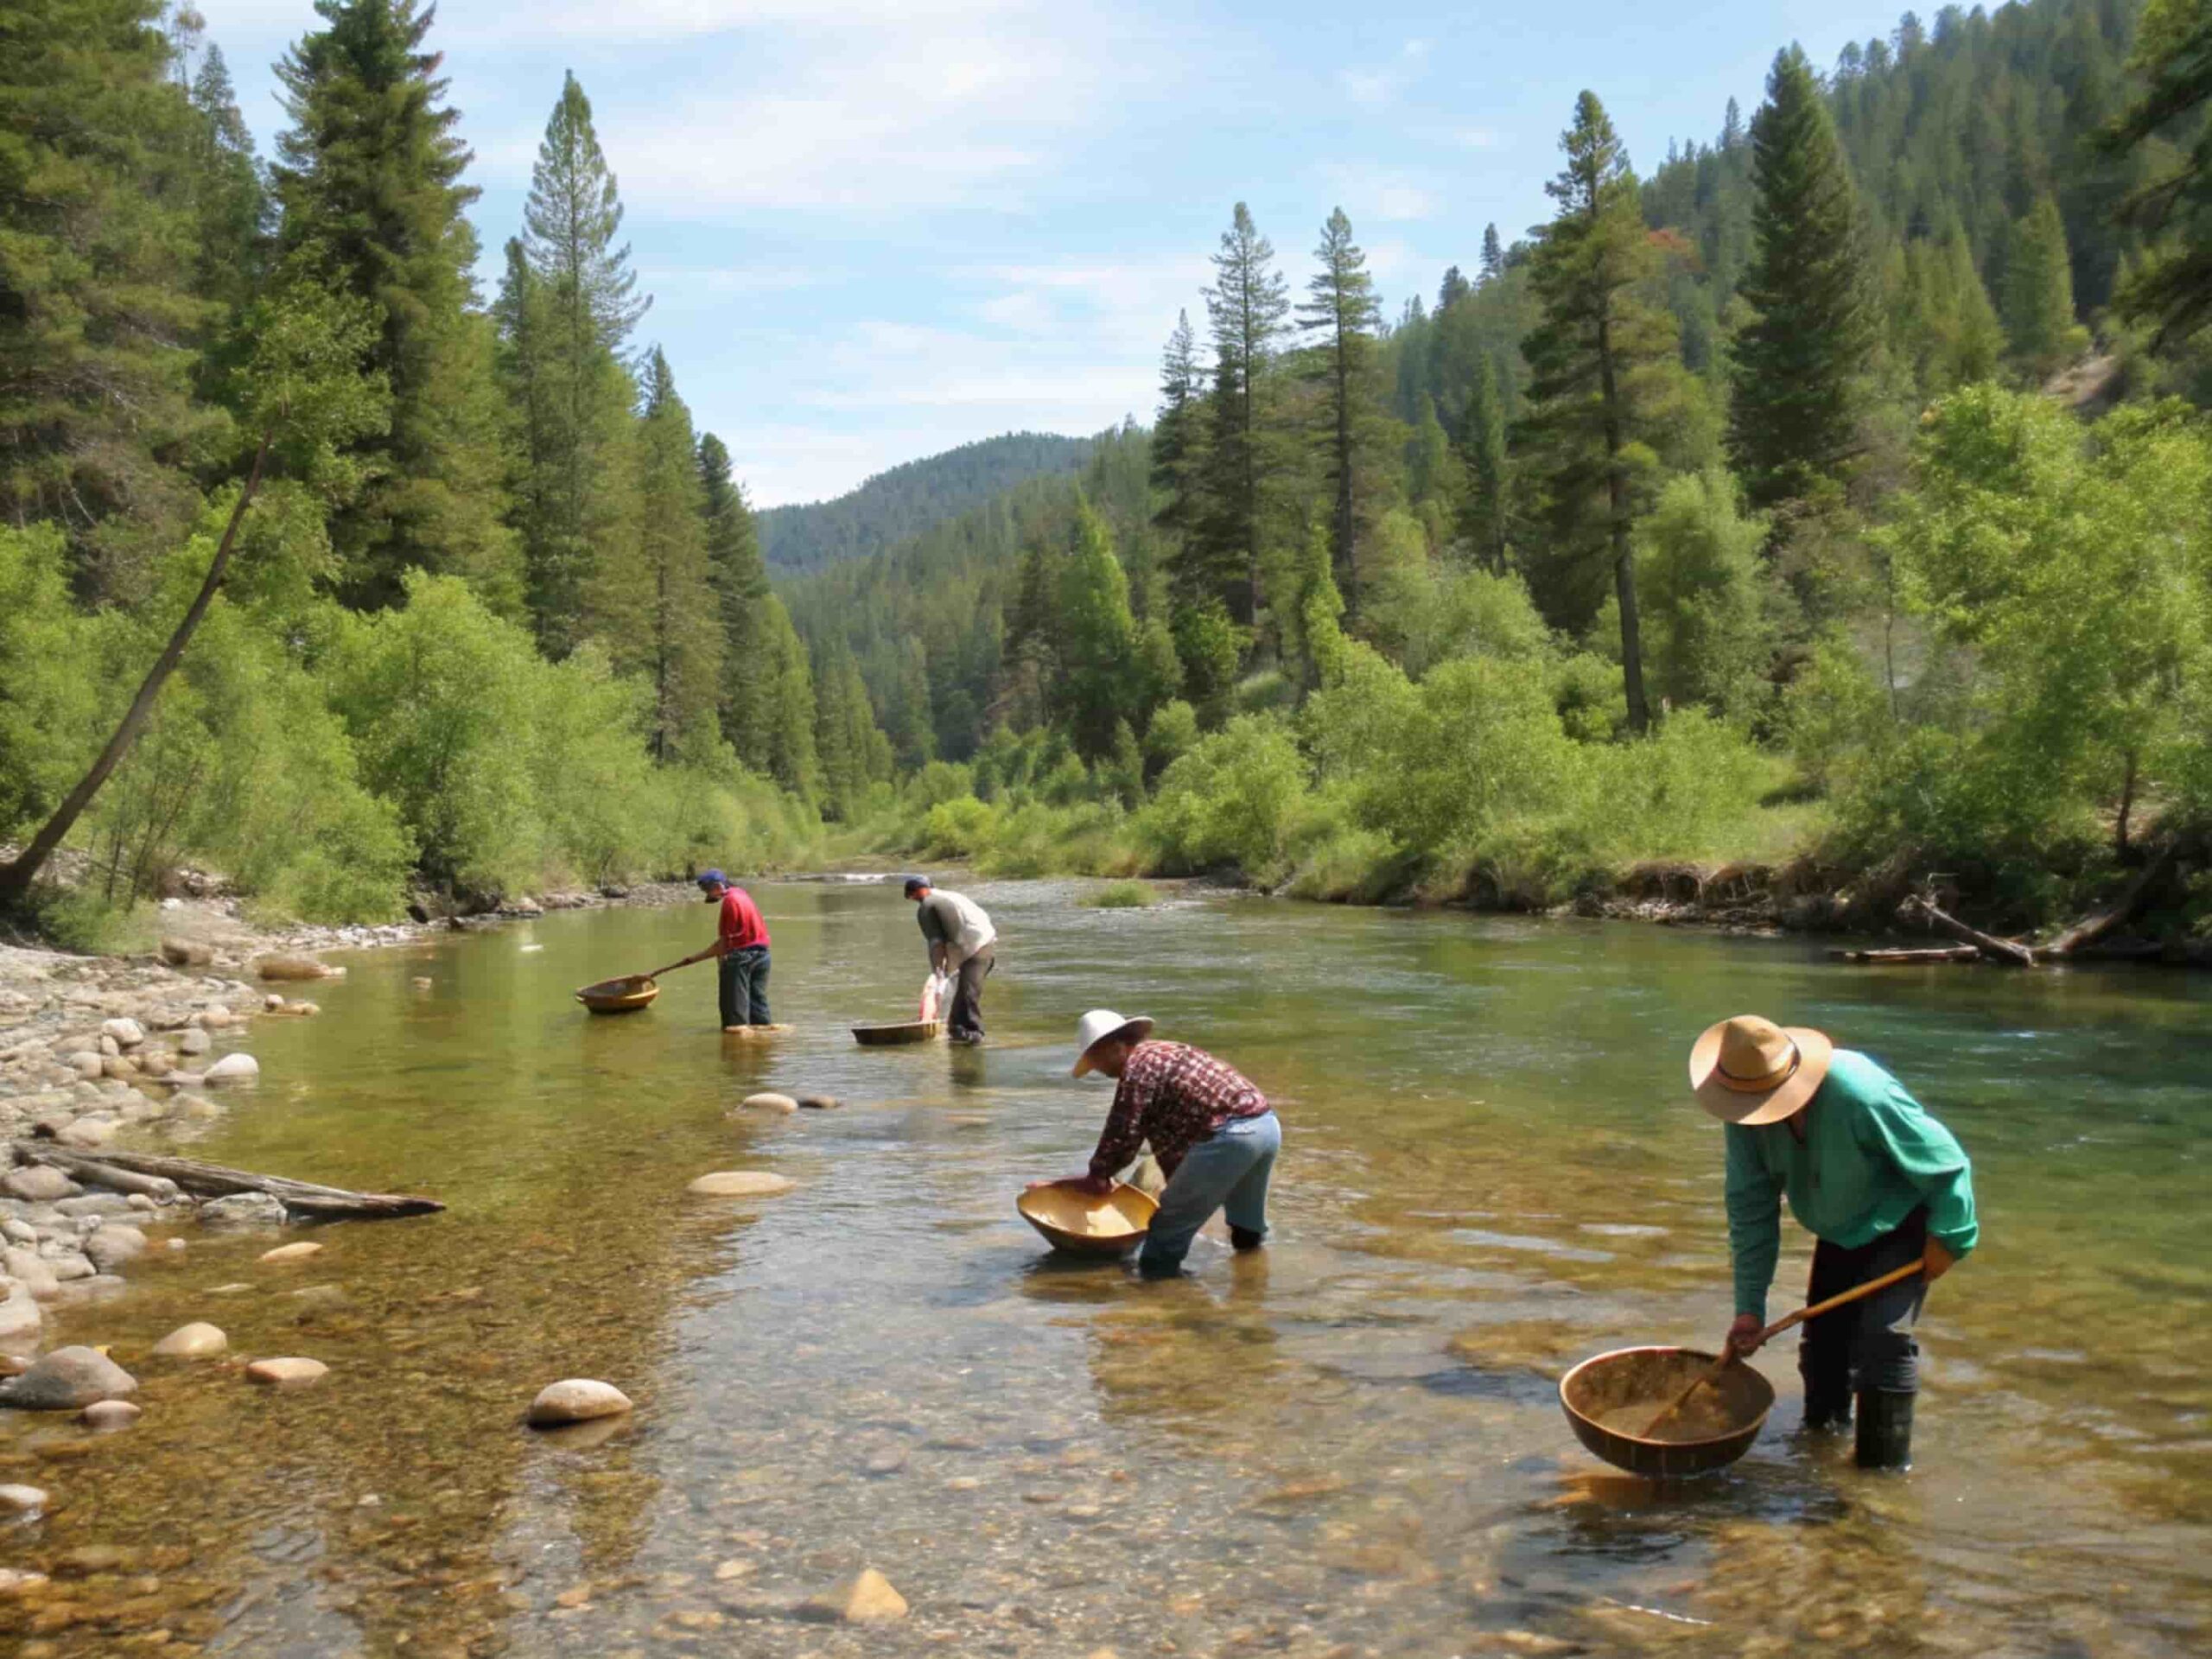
pixel 912 498
pixel 1725 515
pixel 1835 489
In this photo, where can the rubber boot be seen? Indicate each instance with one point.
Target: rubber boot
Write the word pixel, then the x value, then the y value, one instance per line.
pixel 1827 1410
pixel 1885 1430
pixel 1244 1238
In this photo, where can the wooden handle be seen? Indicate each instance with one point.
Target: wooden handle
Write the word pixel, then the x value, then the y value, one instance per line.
pixel 1850 1295
pixel 1776 1330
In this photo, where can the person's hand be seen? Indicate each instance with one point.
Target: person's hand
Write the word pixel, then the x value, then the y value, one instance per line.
pixel 1934 1262
pixel 1098 1186
pixel 1746 1333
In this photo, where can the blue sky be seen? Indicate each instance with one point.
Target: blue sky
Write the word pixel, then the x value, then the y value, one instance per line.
pixel 875 231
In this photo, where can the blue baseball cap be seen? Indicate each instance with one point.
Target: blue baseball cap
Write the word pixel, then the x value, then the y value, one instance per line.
pixel 713 879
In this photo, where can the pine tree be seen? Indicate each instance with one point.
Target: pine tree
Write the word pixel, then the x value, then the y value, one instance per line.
pixel 1594 360
pixel 231 200
pixel 100 329
pixel 1800 365
pixel 1493 256
pixel 1485 507
pixel 660 613
pixel 1453 289
pixel 747 705
pixel 370 185
pixel 580 505
pixel 1178 433
pixel 1248 309
pixel 1092 687
pixel 2040 290
pixel 1342 315
pixel 2173 63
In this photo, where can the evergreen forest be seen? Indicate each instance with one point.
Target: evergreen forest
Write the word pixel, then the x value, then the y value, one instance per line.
pixel 1833 495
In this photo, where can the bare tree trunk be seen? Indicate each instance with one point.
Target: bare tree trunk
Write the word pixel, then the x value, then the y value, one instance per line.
pixel 2127 806
pixel 16 879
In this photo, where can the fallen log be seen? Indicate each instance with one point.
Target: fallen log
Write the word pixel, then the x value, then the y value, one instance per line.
pixel 2090 929
pixel 1936 953
pixel 1989 945
pixel 303 1199
pixel 96 1172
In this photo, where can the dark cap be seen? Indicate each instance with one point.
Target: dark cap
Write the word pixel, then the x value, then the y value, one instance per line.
pixel 712 879
pixel 917 884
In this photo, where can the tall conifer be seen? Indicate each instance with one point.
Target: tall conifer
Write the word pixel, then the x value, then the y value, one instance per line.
pixel 662 614
pixel 2040 289
pixel 1593 358
pixel 1485 511
pixel 100 329
pixel 1178 433
pixel 1247 307
pixel 1800 364
pixel 580 519
pixel 1341 314
pixel 370 184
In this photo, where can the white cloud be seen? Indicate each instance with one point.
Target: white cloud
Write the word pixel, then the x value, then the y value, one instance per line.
pixel 1378 84
pixel 1385 194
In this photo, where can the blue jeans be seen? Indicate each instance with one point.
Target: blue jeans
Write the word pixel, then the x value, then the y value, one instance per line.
pixel 744 987
pixel 1228 1170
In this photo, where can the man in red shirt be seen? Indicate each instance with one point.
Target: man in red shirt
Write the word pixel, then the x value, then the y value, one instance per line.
pixel 1213 1133
pixel 742 942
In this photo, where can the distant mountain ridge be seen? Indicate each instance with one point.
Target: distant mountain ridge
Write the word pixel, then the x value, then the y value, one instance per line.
pixel 912 498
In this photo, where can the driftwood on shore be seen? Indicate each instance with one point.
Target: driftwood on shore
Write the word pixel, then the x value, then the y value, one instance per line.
pixel 1997 949
pixel 1937 953
pixel 2091 929
pixel 138 1171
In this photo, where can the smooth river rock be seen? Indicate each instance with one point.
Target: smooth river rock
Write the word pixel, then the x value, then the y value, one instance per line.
pixel 192 1041
pixel 769 1102
pixel 741 1184
pixel 108 1415
pixel 868 1599
pixel 128 1034
pixel 30 1271
pixel 234 1068
pixel 21 1499
pixel 113 1245
pixel 37 1184
pixel 576 1400
pixel 292 1372
pixel 20 1315
pixel 284 1253
pixel 197 1340
pixel 67 1379
pixel 293 967
pixel 243 1210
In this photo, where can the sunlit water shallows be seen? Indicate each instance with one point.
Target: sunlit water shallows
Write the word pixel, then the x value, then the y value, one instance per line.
pixel 1349 1444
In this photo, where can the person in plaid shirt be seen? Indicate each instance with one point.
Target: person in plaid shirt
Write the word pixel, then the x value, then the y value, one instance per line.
pixel 1214 1134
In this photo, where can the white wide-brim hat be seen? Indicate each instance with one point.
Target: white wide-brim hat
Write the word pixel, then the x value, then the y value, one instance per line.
pixel 1097 1025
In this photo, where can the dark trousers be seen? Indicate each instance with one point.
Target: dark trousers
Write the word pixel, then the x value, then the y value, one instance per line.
pixel 1867 1343
pixel 967 1016
pixel 744 987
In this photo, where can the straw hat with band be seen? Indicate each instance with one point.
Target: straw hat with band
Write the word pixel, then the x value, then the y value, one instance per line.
pixel 1751 1070
pixel 1097 1025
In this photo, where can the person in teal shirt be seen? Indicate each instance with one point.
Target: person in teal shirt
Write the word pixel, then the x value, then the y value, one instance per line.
pixel 1871 1176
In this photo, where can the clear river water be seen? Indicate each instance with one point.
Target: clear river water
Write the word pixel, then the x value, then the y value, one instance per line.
pixel 1350 1445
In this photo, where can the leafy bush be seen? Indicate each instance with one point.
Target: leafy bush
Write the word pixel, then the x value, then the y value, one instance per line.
pixel 1122 895
pixel 1227 802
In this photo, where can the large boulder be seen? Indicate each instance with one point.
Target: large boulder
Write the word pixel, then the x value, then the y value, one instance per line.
pixel 293 967
pixel 186 953
pixel 234 1068
pixel 89 1133
pixel 576 1400
pixel 37 1184
pixel 114 1244
pixel 68 1379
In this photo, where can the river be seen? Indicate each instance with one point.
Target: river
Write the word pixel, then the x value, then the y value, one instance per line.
pixel 1348 1445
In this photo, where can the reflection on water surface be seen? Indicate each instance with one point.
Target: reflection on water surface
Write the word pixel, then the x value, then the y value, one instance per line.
pixel 1349 1444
